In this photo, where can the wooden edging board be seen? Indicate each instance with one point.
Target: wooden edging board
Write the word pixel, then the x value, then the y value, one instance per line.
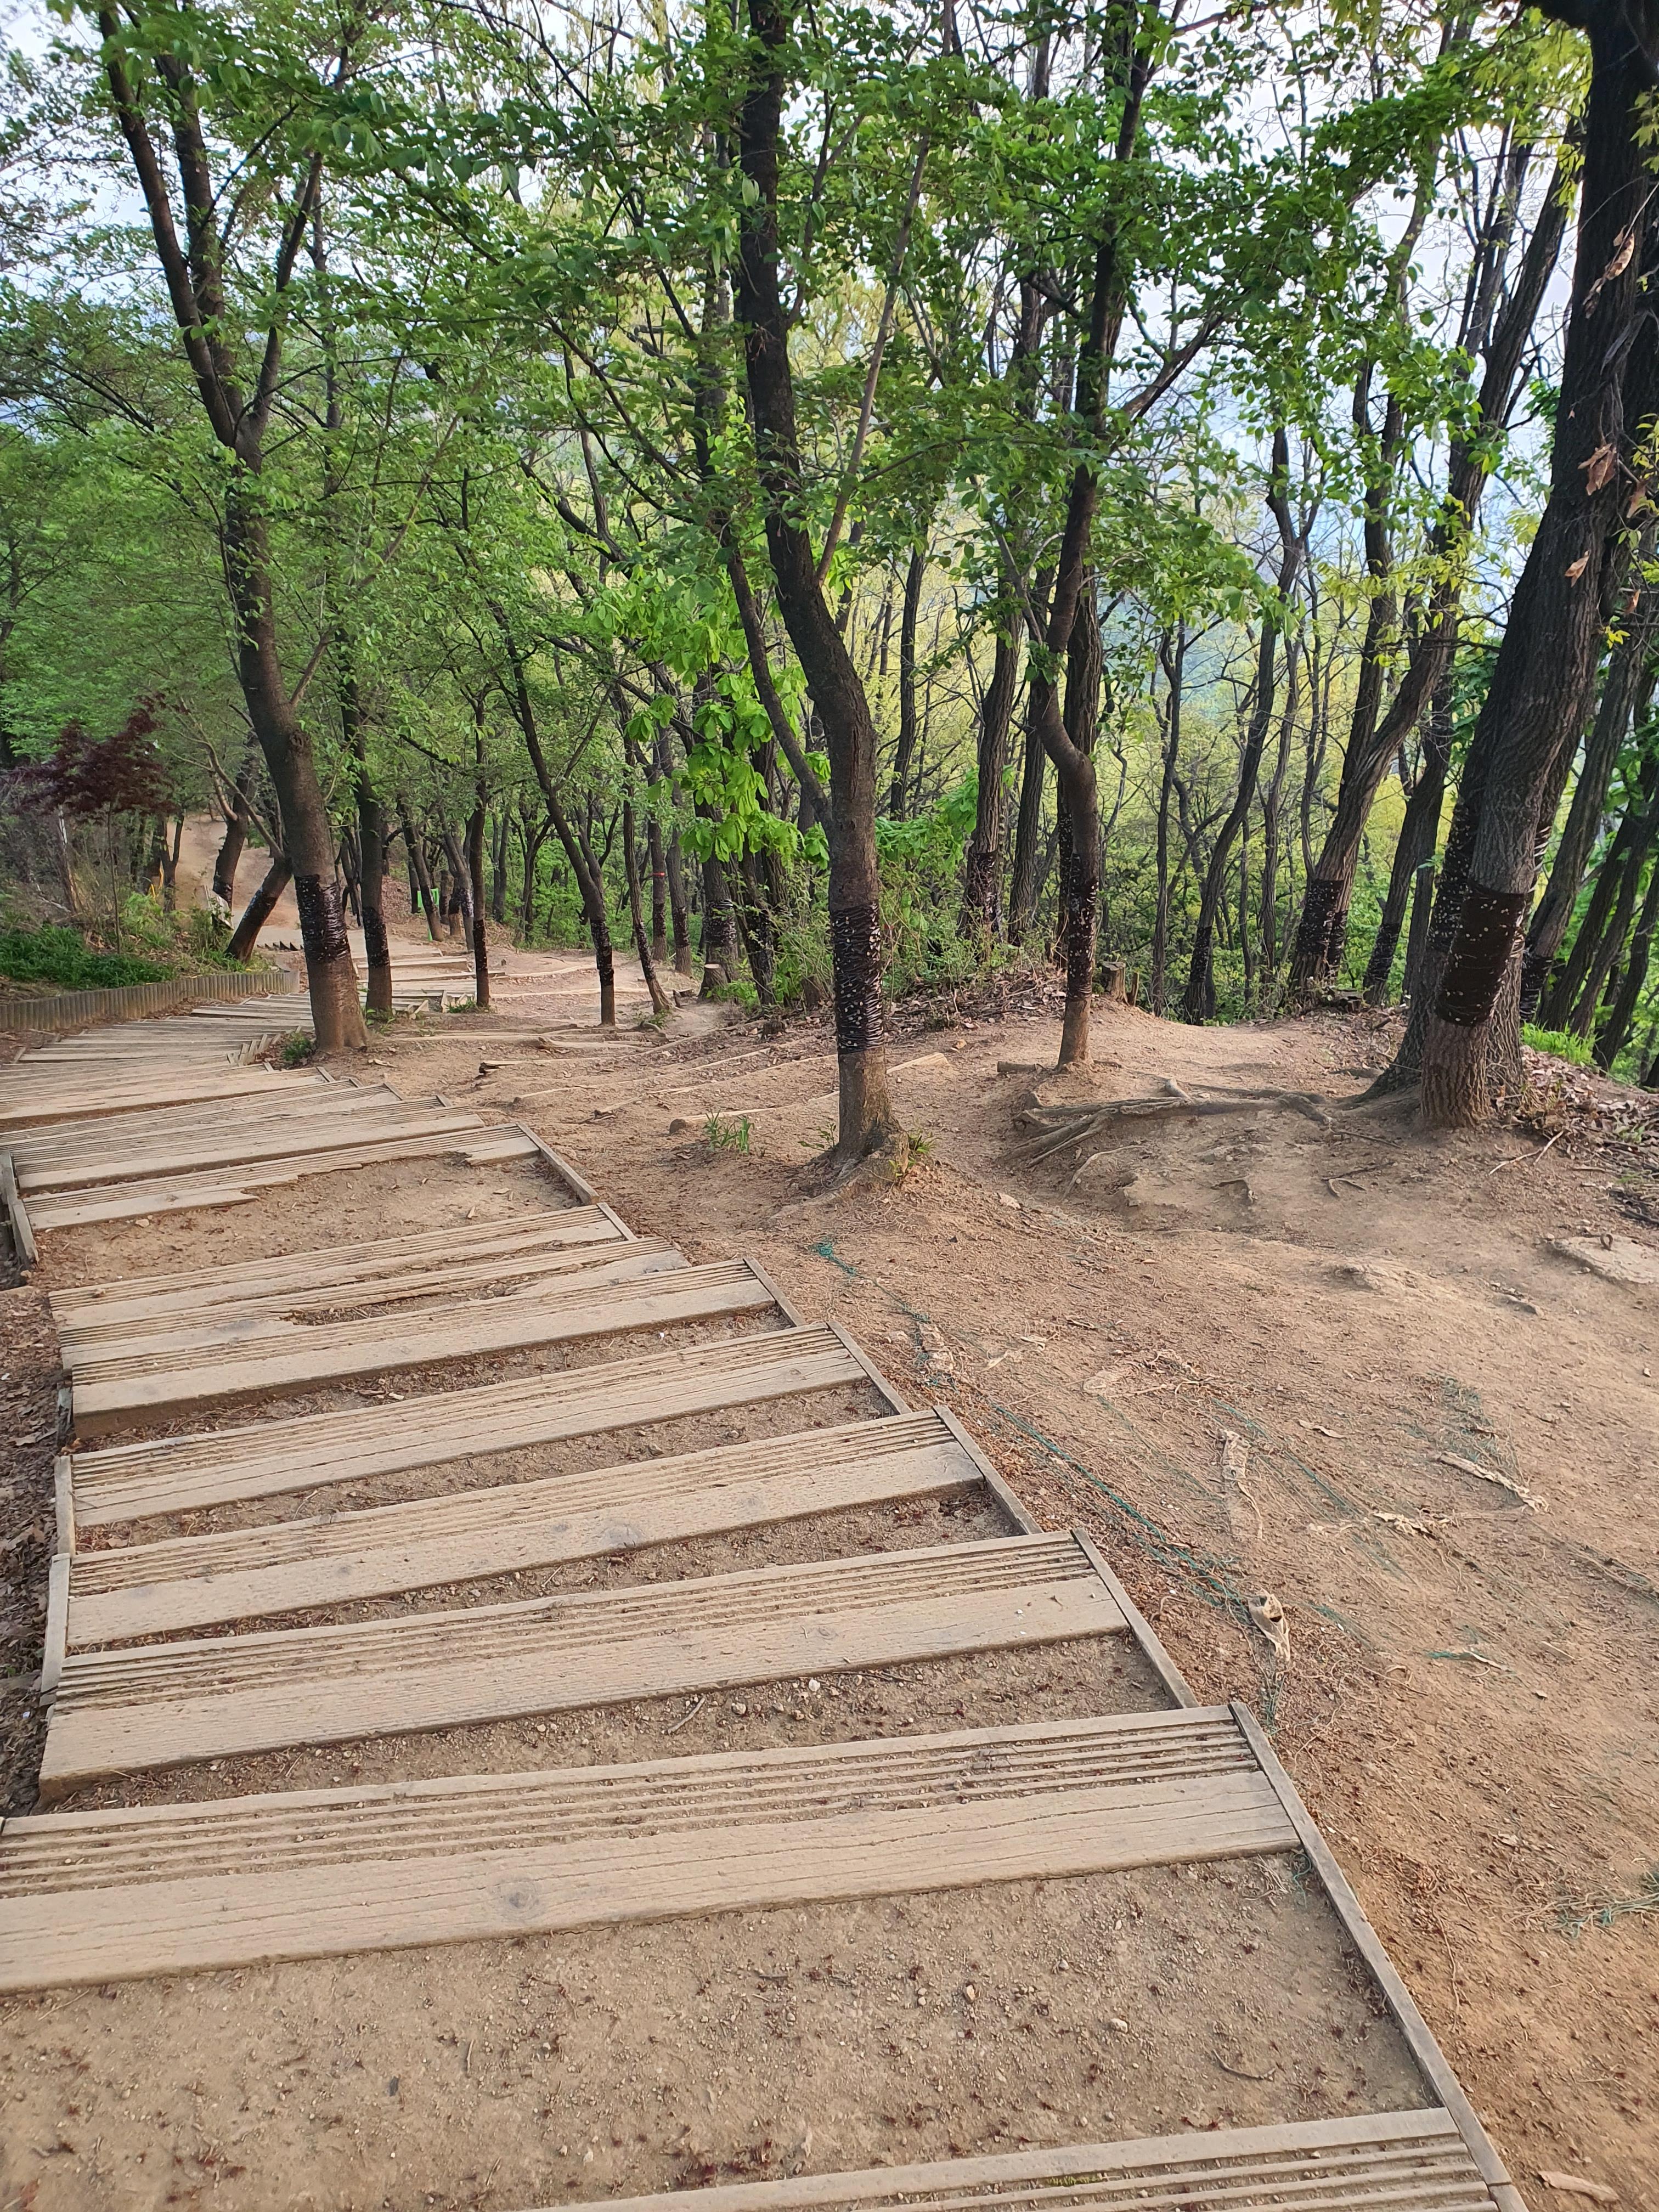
pixel 188 1887
pixel 1410 2161
pixel 1413 2027
pixel 183 1583
pixel 17 1215
pixel 170 1705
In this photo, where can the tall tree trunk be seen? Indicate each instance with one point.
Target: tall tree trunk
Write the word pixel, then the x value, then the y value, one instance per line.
pixel 1614 1032
pixel 1272 803
pixel 1172 652
pixel 193 271
pixel 475 866
pixel 660 1002
pixel 1626 692
pixel 720 929
pixel 1198 1003
pixel 915 576
pixel 866 1117
pixel 982 880
pixel 1546 662
pixel 659 890
pixel 371 839
pixel 236 816
pixel 260 909
pixel 1419 834
pixel 418 868
pixel 1023 882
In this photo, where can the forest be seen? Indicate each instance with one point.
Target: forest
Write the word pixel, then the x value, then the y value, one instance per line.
pixel 864 496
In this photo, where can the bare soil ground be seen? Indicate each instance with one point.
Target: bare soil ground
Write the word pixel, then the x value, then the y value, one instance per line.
pixel 1468 1699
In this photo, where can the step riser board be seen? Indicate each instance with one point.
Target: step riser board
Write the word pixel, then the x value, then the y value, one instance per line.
pixel 284 1137
pixel 100 1896
pixel 80 1091
pixel 471 1142
pixel 176 1340
pixel 127 1482
pixel 1375 2162
pixel 668 1294
pixel 65 1151
pixel 197 1582
pixel 301 1282
pixel 120 1713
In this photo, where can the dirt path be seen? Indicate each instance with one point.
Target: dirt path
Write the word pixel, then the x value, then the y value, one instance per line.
pixel 1471 1704
pixel 1283 1351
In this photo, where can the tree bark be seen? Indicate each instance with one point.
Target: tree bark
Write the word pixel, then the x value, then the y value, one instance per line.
pixel 1172 653
pixel 235 842
pixel 259 907
pixel 866 1117
pixel 1626 693
pixel 660 1002
pixel 1420 835
pixel 1614 1032
pixel 915 576
pixel 474 868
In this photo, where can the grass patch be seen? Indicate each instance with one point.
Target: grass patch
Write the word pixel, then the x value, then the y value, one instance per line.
pixel 723 1136
pixel 63 958
pixel 1560 1044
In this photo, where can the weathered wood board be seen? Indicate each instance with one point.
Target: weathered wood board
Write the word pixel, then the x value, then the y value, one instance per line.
pixel 94 1897
pixel 268 1459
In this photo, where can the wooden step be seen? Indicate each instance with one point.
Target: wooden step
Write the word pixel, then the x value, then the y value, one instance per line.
pixel 389 1269
pixel 246 1574
pixel 266 1459
pixel 331 1121
pixel 469 1141
pixel 73 1089
pixel 122 1712
pixel 1369 2162
pixel 277 1358
pixel 94 1897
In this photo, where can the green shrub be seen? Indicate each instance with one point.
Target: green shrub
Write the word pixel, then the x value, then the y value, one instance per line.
pixel 1560 1044
pixel 62 958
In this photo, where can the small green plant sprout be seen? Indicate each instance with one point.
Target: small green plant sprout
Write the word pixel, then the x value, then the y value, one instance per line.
pixel 297 1048
pixel 922 1147
pixel 723 1136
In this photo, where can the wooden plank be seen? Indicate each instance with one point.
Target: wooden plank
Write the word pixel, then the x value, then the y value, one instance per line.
pixel 254 1099
pixel 17 1215
pixel 243 1574
pixel 295 1282
pixel 56 1645
pixel 124 1712
pixel 111 1391
pixel 238 1186
pixel 1411 2162
pixel 263 1324
pixel 268 1459
pixel 94 1897
pixel 1413 2027
pixel 332 1124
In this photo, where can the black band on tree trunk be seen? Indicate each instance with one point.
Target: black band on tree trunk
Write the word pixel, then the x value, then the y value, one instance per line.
pixel 374 937
pixel 855 951
pixel 1480 953
pixel 322 921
